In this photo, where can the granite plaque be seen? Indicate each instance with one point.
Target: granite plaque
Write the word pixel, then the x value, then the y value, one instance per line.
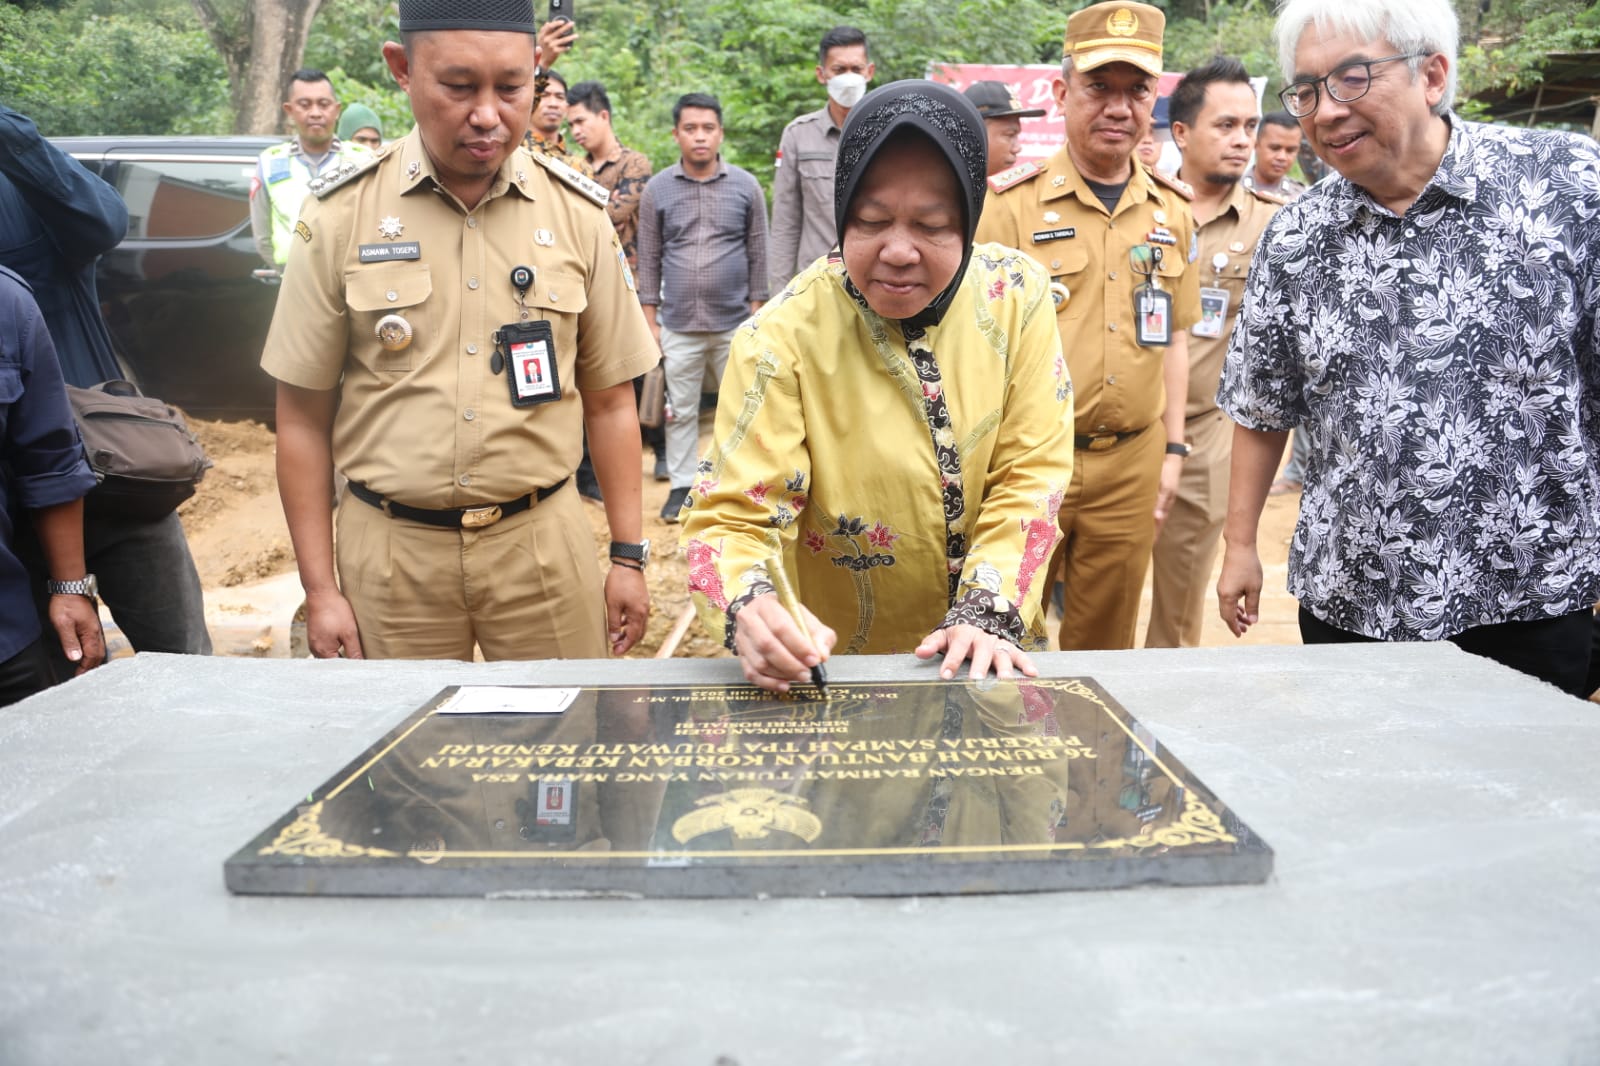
pixel 880 789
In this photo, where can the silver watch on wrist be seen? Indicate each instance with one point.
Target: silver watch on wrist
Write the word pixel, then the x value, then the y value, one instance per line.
pixel 83 586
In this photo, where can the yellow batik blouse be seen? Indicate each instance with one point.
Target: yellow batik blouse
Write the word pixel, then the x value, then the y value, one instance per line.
pixel 911 478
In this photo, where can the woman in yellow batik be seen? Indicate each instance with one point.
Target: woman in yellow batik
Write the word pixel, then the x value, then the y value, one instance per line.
pixel 899 420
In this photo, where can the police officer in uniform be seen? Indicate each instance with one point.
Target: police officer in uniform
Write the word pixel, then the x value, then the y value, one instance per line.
pixel 1214 124
pixel 1118 241
pixel 456 312
pixel 284 172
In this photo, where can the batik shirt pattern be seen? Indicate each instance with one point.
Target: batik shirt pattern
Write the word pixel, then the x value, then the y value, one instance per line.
pixel 1444 362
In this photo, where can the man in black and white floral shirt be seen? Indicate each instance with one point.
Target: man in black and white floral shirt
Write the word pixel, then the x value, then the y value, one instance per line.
pixel 1431 316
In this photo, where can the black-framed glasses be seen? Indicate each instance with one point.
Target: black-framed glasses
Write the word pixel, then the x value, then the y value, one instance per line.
pixel 1346 84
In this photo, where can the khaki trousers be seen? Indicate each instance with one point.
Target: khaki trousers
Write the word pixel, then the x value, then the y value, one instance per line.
pixel 1108 522
pixel 1180 573
pixel 527 587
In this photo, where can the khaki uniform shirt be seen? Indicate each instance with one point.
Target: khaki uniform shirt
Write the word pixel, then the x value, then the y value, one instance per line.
pixel 1230 239
pixel 1287 187
pixel 430 425
pixel 802 196
pixel 1053 216
pixel 557 149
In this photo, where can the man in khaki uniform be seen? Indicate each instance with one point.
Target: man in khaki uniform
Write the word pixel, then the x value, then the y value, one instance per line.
pixel 1086 215
pixel 458 312
pixel 1213 113
pixel 802 177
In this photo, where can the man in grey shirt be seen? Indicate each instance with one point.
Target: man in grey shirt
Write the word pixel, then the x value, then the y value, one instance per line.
pixel 702 271
pixel 802 177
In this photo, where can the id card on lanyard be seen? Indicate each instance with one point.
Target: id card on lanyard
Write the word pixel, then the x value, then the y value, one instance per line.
pixel 529 352
pixel 1152 308
pixel 1152 314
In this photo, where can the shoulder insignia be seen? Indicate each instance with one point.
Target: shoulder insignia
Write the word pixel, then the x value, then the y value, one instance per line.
pixel 587 186
pixel 1177 185
pixel 1007 179
pixel 346 172
pixel 1269 197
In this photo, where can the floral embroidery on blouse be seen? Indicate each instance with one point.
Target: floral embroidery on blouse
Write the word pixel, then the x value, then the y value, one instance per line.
pixel 1042 531
pixel 703 575
pixel 870 517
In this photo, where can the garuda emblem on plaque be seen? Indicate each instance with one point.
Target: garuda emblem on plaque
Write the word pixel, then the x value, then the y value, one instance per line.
pixel 752 814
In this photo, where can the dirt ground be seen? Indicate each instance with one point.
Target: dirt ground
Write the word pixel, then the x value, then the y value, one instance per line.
pixel 238 537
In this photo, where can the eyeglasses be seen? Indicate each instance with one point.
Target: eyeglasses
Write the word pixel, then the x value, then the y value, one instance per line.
pixel 1346 84
pixel 1145 258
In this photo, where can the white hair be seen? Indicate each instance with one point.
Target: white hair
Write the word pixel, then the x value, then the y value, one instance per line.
pixel 1425 26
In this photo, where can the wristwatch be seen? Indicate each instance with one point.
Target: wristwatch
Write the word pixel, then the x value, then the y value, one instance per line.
pixel 639 553
pixel 84 586
pixel 1179 448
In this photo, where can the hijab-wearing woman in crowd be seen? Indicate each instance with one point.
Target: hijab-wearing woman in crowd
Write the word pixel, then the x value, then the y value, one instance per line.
pixel 898 423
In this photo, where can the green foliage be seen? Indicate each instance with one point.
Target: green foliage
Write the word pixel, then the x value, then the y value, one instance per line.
pixel 1511 53
pixel 347 42
pixel 1243 31
pixel 759 57
pixel 142 66
pixel 79 73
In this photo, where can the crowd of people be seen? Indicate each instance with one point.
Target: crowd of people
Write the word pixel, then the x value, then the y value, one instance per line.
pixel 950 380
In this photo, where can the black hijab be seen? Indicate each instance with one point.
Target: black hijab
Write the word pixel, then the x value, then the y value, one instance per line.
pixel 952 123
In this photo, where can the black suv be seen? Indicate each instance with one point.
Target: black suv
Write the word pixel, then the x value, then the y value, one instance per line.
pixel 182 294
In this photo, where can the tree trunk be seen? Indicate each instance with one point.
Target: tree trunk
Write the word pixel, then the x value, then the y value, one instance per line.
pixel 260 49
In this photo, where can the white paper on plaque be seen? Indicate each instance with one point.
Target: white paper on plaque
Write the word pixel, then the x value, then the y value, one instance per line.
pixel 507 699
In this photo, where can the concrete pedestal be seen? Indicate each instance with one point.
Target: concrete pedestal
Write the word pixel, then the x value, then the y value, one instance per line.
pixel 1435 820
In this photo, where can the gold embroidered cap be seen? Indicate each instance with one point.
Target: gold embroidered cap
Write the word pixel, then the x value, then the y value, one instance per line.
pixel 1115 32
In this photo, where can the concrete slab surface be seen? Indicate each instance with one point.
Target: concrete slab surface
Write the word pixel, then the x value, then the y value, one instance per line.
pixel 1436 825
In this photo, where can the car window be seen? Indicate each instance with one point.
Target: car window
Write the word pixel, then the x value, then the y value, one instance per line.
pixel 183 198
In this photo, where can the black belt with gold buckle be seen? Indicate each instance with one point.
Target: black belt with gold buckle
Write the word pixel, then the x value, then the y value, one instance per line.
pixel 454 517
pixel 1103 441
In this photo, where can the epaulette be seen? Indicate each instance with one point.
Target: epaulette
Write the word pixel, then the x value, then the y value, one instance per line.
pixel 1270 197
pixel 1015 176
pixel 347 171
pixel 587 186
pixel 1177 185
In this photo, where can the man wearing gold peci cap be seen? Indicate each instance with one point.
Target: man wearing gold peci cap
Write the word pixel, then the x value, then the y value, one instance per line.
pixel 1118 240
